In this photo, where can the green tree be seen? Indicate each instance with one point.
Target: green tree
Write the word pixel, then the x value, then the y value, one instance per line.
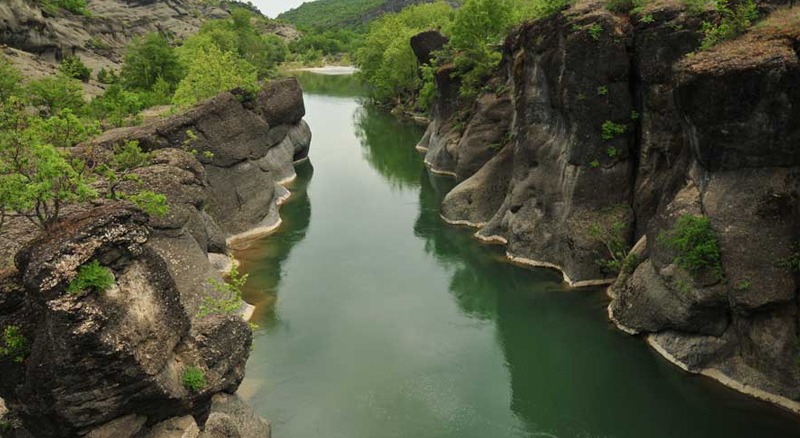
pixel 10 80
pixel 238 36
pixel 36 179
pixel 385 58
pixel 73 67
pixel 148 59
pixel 211 72
pixel 475 35
pixel 55 93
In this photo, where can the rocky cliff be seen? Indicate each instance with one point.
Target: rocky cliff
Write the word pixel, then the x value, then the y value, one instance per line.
pixel 110 364
pixel 602 121
pixel 35 40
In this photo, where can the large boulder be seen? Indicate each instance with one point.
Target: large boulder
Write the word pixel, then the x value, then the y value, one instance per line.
pixel 247 146
pixel 98 356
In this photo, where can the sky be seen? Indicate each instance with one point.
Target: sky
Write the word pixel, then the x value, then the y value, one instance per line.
pixel 271 8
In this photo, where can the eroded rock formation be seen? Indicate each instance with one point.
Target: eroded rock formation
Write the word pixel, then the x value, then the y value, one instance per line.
pixel 104 363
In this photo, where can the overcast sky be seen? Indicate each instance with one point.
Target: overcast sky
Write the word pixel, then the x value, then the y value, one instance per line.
pixel 272 8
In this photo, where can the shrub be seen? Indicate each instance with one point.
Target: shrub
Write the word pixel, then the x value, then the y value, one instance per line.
pixel 625 6
pixel 73 67
pixel 611 129
pixel 10 80
pixel 64 129
pixel 16 346
pixel 99 44
pixel 475 34
pixel 148 59
pixel 74 6
pixel 107 77
pixel 696 244
pixel 228 294
pixel 91 277
pixel 36 179
pixel 792 263
pixel 695 6
pixel 613 238
pixel 193 378
pixel 595 30
pixel 731 22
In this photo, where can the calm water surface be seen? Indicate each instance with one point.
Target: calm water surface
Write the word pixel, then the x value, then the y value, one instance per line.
pixel 377 320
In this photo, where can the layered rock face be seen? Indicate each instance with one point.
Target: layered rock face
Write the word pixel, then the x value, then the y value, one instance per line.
pixel 613 126
pixel 111 363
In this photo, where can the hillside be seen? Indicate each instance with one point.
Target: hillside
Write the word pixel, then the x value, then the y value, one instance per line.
pixel 36 37
pixel 343 13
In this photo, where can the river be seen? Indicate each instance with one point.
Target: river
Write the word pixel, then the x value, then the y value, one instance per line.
pixel 377 320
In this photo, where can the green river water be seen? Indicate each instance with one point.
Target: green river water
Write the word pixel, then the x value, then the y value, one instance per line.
pixel 377 320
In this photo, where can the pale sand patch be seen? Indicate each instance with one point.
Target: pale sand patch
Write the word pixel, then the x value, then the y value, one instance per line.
pixel 331 70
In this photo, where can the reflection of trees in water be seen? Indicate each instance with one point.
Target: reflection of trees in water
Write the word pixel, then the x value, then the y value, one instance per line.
pixel 263 259
pixel 480 273
pixel 388 145
pixel 330 85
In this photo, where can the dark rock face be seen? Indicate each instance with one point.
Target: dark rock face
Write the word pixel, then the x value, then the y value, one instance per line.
pixel 714 135
pixel 425 43
pixel 246 146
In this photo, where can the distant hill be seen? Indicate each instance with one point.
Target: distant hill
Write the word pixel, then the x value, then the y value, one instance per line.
pixel 343 13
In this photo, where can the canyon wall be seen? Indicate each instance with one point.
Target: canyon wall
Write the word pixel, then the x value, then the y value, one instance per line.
pixel 603 121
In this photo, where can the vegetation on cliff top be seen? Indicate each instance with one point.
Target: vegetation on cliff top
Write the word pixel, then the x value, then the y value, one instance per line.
pixel 330 13
pixel 39 175
pixel 475 30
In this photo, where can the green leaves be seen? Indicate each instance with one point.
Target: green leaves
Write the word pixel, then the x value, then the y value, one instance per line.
pixel 73 67
pixel 36 179
pixel 16 346
pixel 228 294
pixel 611 129
pixel 732 22
pixel 148 59
pixel 385 57
pixel 91 277
pixel 212 72
pixel 193 378
pixel 10 80
pixel 696 243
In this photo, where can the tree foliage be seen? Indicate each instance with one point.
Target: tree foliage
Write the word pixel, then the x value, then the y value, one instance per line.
pixel 211 72
pixel 54 94
pixel 149 59
pixel 40 174
pixel 327 14
pixel 385 58
pixel 10 80
pixel 238 36
pixel 73 67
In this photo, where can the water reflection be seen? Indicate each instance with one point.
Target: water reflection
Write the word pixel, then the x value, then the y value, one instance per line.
pixel 330 85
pixel 390 323
pixel 263 259
pixel 385 142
